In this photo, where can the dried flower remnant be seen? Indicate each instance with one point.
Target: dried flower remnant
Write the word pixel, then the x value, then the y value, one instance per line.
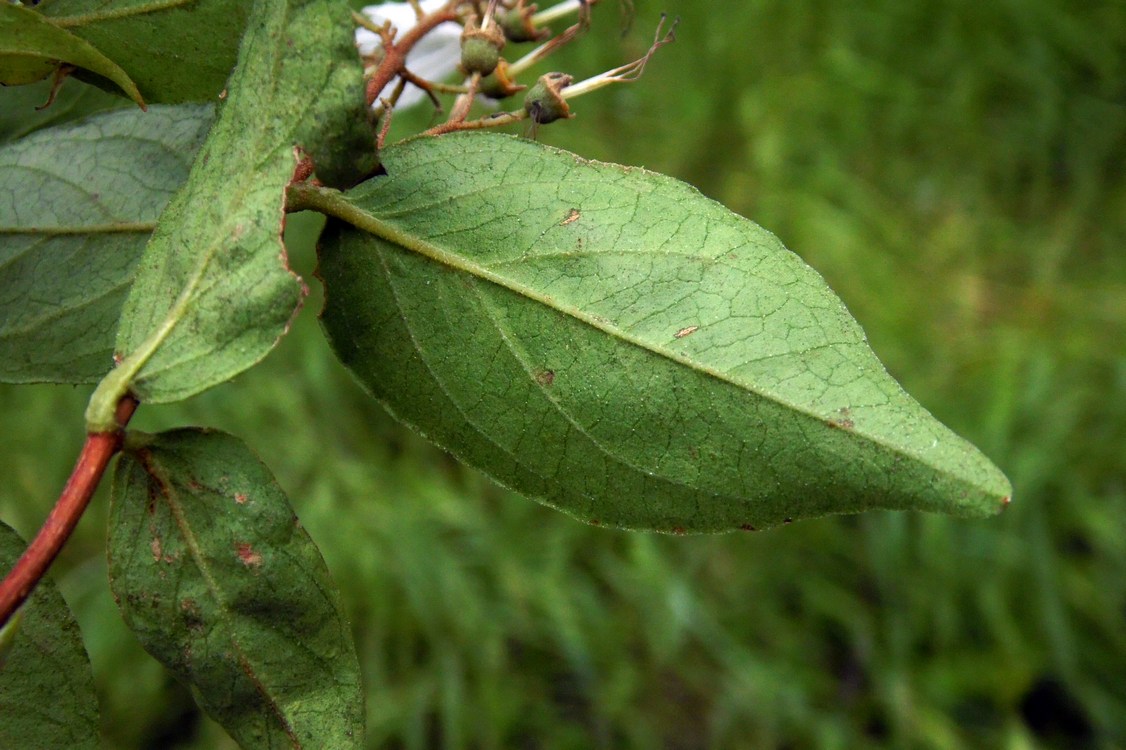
pixel 630 71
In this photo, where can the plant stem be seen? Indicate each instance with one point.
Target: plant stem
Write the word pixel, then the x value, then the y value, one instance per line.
pixel 395 55
pixel 88 470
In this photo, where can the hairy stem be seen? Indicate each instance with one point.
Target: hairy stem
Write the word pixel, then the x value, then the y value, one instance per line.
pixel 88 470
pixel 395 55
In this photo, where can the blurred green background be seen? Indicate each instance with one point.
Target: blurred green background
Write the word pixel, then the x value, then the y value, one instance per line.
pixel 954 168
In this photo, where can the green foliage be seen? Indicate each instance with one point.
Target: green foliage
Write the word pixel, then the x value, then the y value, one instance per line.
pixel 603 338
pixel 21 113
pixel 953 171
pixel 46 687
pixel 215 575
pixel 32 48
pixel 199 317
pixel 195 41
pixel 81 201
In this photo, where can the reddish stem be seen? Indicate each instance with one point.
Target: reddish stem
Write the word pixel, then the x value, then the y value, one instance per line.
pixel 91 465
pixel 395 55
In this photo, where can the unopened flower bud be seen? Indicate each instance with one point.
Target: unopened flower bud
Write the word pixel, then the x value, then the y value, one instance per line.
pixel 544 102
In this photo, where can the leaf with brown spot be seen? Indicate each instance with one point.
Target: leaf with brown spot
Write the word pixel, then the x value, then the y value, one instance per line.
pixel 234 598
pixel 704 377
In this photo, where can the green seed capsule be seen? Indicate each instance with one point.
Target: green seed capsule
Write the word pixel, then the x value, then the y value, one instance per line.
pixel 544 102
pixel 518 26
pixel 498 84
pixel 480 49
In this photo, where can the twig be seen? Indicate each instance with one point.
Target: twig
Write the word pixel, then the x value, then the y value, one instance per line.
pixel 96 453
pixel 496 120
pixel 395 55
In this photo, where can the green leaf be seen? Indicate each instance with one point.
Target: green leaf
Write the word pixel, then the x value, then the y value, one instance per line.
pixel 20 111
pixel 77 204
pixel 613 343
pixel 214 293
pixel 47 697
pixel 220 582
pixel 31 48
pixel 176 50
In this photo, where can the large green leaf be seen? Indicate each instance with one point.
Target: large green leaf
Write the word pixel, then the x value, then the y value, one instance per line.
pixel 31 48
pixel 213 293
pixel 175 50
pixel 47 698
pixel 77 204
pixel 613 343
pixel 217 578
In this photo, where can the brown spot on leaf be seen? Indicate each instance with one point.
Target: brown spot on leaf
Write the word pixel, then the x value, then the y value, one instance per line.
pixel 842 424
pixel 572 216
pixel 685 332
pixel 156 549
pixel 678 530
pixel 545 377
pixel 595 522
pixel 240 498
pixel 787 520
pixel 748 527
pixel 193 616
pixel 246 553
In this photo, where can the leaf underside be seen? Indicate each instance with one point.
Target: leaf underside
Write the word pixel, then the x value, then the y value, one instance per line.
pixel 47 697
pixel 611 342
pixel 77 204
pixel 213 292
pixel 219 581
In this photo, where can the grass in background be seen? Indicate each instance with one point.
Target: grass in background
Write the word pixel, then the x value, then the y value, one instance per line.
pixel 955 170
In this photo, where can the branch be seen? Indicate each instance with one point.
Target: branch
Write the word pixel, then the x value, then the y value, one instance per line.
pixel 96 453
pixel 395 55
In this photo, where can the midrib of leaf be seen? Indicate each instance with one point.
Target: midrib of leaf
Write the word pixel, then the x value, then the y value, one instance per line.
pixel 103 402
pixel 171 497
pixel 113 15
pixel 123 227
pixel 116 384
pixel 335 203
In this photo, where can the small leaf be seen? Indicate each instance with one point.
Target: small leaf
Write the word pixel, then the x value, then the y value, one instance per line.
pixel 47 697
pixel 77 204
pixel 176 50
pixel 31 48
pixel 220 583
pixel 613 343
pixel 214 293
